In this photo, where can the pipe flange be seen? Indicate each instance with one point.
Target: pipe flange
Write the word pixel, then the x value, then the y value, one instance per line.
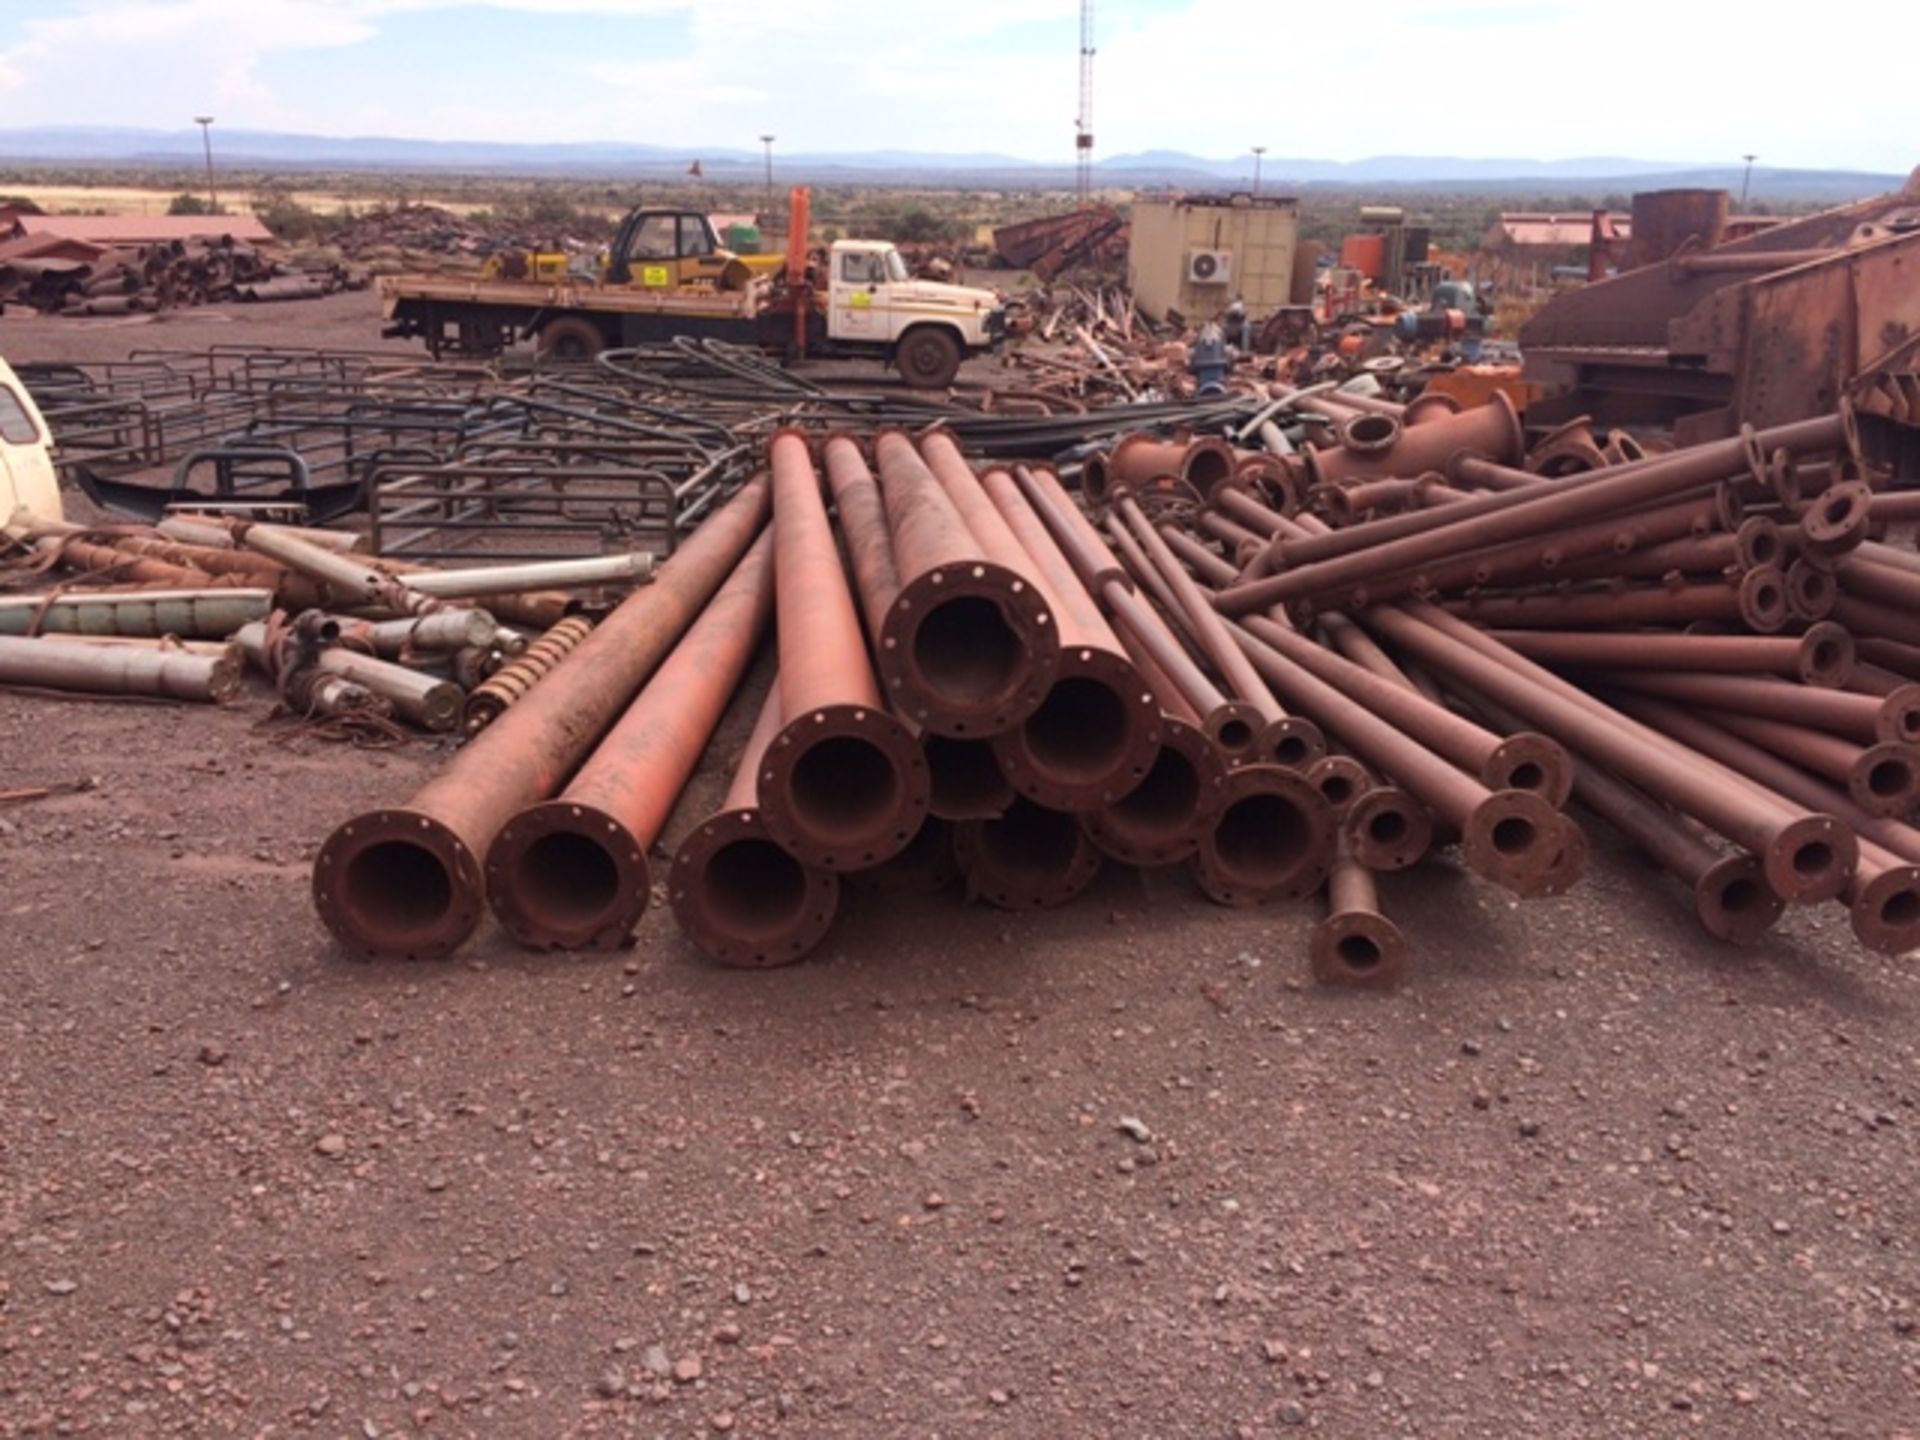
pixel 1763 600
pixel 1031 858
pixel 1341 781
pixel 1837 520
pixel 1387 829
pixel 1159 821
pixel 562 876
pixel 1357 950
pixel 397 884
pixel 1733 901
pixel 1886 911
pixel 1092 739
pixel 1513 838
pixel 1272 839
pixel 743 900
pixel 1527 760
pixel 1028 652
pixel 843 787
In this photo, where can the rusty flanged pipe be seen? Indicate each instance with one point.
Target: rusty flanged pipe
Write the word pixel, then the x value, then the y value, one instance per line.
pixel 964 778
pixel 1096 733
pixel 739 897
pixel 1140 460
pixel 1030 858
pixel 1341 781
pixel 1385 828
pixel 1883 894
pixel 968 647
pixel 406 882
pixel 1390 449
pixel 1355 945
pixel 843 786
pixel 1823 656
pixel 571 873
pixel 926 867
pixel 1160 820
pixel 1808 856
pixel 1273 838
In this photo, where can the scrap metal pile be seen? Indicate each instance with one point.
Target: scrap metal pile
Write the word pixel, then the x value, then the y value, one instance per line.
pixel 166 276
pixel 1286 673
pixel 1287 640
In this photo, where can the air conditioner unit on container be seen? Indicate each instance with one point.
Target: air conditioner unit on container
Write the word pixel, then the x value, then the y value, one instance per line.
pixel 1209 267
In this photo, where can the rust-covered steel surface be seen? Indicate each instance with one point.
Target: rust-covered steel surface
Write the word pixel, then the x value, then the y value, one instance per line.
pixel 571 872
pixel 1779 326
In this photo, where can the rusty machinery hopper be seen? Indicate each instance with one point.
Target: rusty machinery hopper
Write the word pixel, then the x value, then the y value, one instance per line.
pixel 1774 327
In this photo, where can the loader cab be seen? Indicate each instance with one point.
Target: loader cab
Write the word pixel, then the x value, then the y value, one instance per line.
pixel 672 250
pixel 28 484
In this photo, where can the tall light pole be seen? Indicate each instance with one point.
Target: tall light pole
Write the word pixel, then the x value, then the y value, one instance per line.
pixel 1747 180
pixel 767 140
pixel 1258 151
pixel 205 122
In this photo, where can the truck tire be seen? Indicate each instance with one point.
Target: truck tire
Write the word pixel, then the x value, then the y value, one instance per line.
pixel 571 337
pixel 928 357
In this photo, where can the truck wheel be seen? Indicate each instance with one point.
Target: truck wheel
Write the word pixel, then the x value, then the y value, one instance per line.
pixel 928 358
pixel 571 338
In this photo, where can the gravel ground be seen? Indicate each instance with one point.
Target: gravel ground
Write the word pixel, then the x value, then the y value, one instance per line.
pixel 1114 1170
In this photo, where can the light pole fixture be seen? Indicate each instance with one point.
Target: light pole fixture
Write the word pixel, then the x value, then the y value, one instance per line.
pixel 1747 179
pixel 1258 151
pixel 205 122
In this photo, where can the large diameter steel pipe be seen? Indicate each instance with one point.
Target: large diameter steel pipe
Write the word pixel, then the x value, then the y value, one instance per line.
pixel 1807 857
pixel 1272 837
pixel 406 881
pixel 571 873
pixel 118 670
pixel 1030 858
pixel 969 647
pixel 1534 511
pixel 844 785
pixel 737 895
pixel 1095 735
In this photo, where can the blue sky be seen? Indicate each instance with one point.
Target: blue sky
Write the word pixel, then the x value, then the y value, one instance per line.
pixel 1544 79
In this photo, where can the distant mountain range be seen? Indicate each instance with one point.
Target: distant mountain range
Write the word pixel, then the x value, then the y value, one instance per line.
pixel 255 149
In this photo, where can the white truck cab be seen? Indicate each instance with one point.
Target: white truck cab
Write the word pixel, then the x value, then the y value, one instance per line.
pixel 928 326
pixel 28 484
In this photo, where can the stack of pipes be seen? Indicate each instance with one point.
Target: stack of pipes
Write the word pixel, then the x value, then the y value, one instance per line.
pixel 971 676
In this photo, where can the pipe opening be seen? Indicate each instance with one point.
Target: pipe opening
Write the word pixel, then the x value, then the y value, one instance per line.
pixel 1372 431
pixel 397 887
pixel 1235 735
pixel 1079 734
pixel 1766 597
pixel 565 881
pixel 1900 909
pixel 966 652
pixel 1828 655
pixel 964 778
pixel 1031 839
pixel 1527 775
pixel 1337 787
pixel 1514 835
pixel 1165 800
pixel 1888 778
pixel 1763 547
pixel 844 789
pixel 1207 467
pixel 1359 953
pixel 1743 896
pixel 1095 481
pixel 1264 837
pixel 1837 510
pixel 1291 750
pixel 755 888
pixel 1813 858
pixel 1387 827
